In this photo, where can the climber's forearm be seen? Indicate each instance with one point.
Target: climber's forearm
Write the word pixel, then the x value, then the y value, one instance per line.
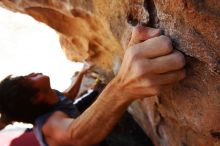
pixel 99 119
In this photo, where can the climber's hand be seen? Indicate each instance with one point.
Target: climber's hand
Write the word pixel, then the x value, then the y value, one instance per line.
pixel 86 68
pixel 149 64
pixel 141 34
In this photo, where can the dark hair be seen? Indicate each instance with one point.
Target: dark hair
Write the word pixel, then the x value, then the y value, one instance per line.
pixel 17 100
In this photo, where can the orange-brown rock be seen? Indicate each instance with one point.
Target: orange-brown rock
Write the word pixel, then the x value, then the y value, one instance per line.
pixel 89 30
pixel 97 31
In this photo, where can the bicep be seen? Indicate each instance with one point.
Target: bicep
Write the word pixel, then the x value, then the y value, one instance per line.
pixel 56 130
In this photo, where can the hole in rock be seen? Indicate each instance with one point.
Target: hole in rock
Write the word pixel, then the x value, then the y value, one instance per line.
pixel 215 135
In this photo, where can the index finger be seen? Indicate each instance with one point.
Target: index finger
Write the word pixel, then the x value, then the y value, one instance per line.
pixel 141 34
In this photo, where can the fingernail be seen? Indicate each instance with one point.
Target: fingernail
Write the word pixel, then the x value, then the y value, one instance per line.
pixel 154 32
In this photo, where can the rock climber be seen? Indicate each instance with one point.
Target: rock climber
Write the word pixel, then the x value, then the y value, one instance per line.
pixel 150 64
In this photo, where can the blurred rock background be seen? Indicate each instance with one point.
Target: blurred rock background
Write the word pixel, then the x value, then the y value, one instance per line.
pixel 97 31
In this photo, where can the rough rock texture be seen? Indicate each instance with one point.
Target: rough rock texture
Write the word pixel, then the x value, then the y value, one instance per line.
pixel 98 30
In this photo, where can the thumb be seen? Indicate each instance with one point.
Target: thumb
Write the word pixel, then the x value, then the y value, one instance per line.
pixel 141 33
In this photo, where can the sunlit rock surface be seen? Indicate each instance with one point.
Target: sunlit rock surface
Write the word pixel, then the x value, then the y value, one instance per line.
pixel 97 31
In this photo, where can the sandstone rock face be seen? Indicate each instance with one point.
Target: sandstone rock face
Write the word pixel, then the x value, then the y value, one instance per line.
pixel 98 30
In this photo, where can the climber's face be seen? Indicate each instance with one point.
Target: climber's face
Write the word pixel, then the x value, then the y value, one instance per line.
pixel 39 81
pixel 42 83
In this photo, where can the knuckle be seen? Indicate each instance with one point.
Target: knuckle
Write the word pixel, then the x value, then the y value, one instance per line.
pixel 179 75
pixel 139 67
pixel 167 43
pixel 132 53
pixel 182 74
pixel 158 32
pixel 148 83
pixel 156 90
pixel 179 59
